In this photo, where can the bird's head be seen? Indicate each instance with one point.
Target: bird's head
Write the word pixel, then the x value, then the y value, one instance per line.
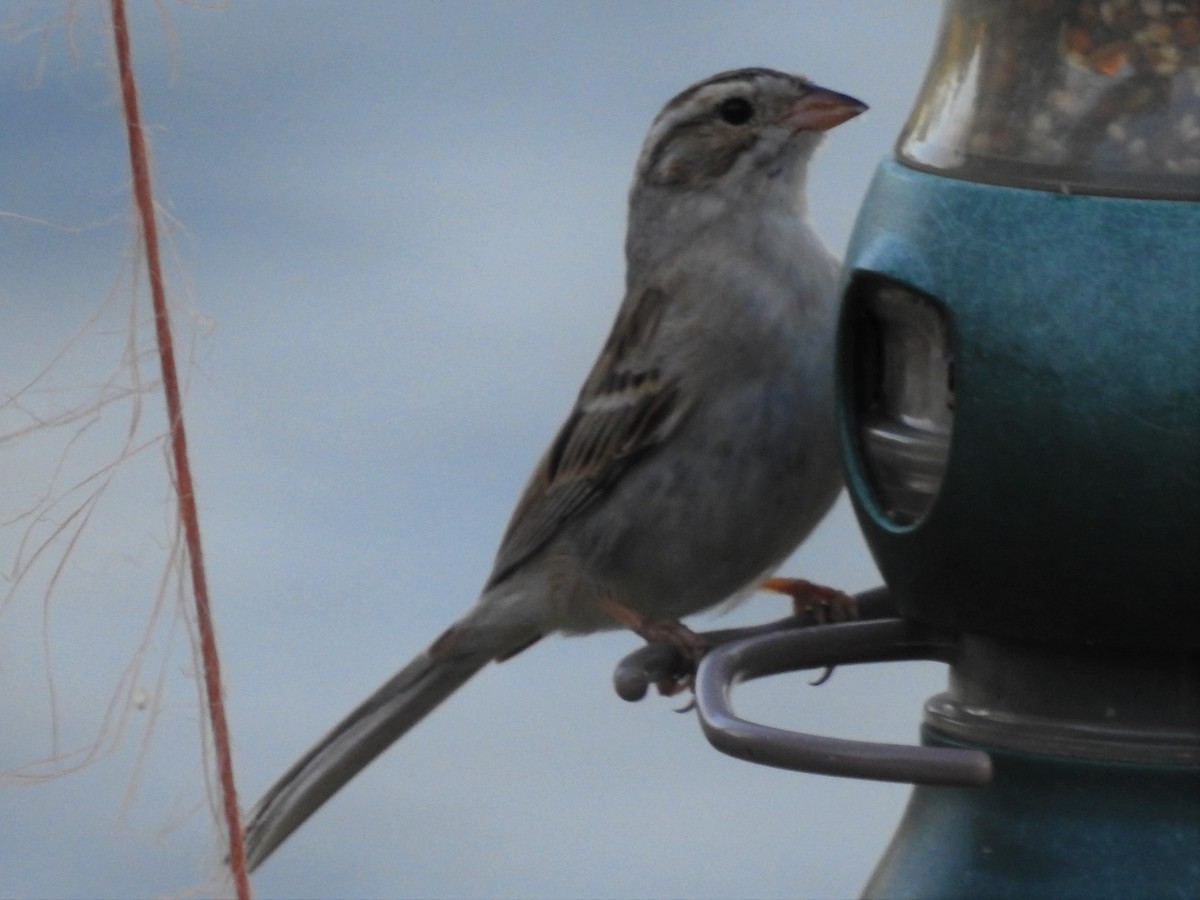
pixel 738 128
pixel 736 144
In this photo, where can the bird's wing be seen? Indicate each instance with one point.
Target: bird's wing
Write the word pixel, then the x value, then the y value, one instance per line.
pixel 629 404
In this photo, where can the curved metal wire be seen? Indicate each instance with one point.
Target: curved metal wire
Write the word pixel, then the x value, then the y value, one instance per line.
pixel 797 649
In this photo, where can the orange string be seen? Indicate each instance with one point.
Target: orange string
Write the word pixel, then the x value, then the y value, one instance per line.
pixel 140 167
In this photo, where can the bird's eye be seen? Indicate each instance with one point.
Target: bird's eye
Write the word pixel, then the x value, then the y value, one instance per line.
pixel 736 110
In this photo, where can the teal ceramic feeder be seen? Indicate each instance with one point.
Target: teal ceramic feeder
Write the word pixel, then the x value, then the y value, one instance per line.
pixel 1020 377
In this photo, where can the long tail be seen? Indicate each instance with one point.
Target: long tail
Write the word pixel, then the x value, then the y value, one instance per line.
pixel 380 720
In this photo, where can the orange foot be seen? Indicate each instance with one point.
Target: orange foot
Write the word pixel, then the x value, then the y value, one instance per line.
pixel 826 604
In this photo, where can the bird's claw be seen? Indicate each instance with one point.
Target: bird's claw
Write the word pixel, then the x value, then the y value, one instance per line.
pixel 689 650
pixel 824 604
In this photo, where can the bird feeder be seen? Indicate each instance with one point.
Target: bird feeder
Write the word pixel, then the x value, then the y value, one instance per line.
pixel 1019 371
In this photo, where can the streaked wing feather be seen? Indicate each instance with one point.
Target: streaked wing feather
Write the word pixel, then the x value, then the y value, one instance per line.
pixel 628 406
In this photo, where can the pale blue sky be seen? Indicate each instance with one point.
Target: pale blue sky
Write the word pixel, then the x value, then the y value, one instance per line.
pixel 397 235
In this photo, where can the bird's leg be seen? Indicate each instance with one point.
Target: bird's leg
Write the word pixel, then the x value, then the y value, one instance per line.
pixel 825 604
pixel 690 646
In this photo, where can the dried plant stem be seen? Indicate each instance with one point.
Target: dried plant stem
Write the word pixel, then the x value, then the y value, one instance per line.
pixel 140 168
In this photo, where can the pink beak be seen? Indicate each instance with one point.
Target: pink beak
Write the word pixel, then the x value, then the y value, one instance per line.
pixel 822 109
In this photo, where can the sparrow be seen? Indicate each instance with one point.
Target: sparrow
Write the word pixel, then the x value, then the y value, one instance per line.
pixel 701 450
